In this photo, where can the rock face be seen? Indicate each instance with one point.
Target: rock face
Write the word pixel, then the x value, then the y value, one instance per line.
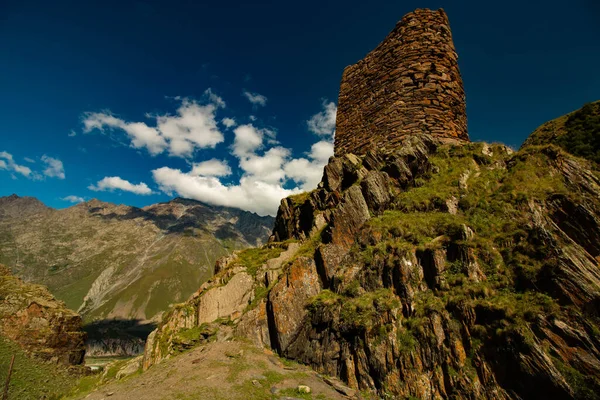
pixel 38 323
pixel 397 293
pixel 409 85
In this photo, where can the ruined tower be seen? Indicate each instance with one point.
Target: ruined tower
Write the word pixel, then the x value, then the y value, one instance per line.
pixel 410 84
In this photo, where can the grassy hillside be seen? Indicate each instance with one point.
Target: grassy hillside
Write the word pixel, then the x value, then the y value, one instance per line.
pixel 577 132
pixel 31 379
pixel 112 261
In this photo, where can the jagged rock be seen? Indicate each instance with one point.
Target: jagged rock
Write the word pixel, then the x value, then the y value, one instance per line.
pixel 352 213
pixel 254 325
pixel 226 301
pixel 328 258
pixel 376 191
pixel 37 322
pixel 131 367
pixel 333 174
pixel 286 300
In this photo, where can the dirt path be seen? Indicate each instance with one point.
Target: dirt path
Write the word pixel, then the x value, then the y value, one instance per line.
pixel 220 371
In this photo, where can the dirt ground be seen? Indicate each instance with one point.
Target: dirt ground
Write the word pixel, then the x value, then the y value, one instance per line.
pixel 221 370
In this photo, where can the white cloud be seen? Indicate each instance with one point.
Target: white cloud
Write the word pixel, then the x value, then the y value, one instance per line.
pixel 250 194
pixel 323 122
pixel 247 140
pixel 228 122
pixel 321 151
pixel 9 164
pixel 265 179
pixel 72 133
pixel 193 127
pixel 141 135
pixel 29 160
pixel 212 167
pixel 73 199
pixel 213 98
pixel 255 98
pixel 269 172
pixel 111 183
pixel 54 167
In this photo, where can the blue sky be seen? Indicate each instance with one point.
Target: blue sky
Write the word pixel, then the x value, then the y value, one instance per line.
pixel 136 91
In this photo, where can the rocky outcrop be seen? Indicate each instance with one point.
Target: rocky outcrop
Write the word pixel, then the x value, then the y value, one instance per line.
pixel 403 296
pixel 410 84
pixel 226 301
pixel 38 323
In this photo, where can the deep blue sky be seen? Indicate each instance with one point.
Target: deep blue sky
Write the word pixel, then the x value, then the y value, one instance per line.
pixel 522 62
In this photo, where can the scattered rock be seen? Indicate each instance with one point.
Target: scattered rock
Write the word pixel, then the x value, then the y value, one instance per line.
pixel 303 389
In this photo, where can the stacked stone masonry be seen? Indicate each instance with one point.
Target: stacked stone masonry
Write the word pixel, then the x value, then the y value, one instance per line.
pixel 410 84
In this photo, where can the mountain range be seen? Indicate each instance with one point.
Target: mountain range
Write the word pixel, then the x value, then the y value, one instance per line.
pixel 112 261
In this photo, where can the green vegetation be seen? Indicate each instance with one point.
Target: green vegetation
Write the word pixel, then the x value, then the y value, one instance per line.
pixel 299 199
pixel 187 339
pixel 584 386
pixel 254 258
pixel 296 394
pixel 357 314
pixel 582 136
pixel 309 246
pixel 417 227
pixel 31 378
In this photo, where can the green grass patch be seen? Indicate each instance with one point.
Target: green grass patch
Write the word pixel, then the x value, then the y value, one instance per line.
pixel 32 378
pixel 254 258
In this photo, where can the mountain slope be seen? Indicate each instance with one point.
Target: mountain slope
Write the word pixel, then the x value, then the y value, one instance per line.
pixel 431 271
pixel 115 261
pixel 577 133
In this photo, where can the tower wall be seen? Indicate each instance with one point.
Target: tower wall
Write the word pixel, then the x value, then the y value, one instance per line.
pixel 410 84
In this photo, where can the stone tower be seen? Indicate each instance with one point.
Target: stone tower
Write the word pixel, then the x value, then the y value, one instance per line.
pixel 410 84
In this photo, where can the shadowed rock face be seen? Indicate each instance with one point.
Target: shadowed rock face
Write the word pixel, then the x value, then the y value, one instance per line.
pixel 398 288
pixel 409 85
pixel 40 324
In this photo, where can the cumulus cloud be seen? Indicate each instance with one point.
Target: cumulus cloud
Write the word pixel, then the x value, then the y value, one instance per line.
pixel 255 98
pixel 194 126
pixel 9 164
pixel 247 140
pixel 228 122
pixel 73 199
pixel 321 151
pixel 268 173
pixel 112 183
pixel 54 167
pixel 250 194
pixel 323 122
pixel 212 167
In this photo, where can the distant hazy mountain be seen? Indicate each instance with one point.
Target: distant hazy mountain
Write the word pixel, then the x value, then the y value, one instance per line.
pixel 116 261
